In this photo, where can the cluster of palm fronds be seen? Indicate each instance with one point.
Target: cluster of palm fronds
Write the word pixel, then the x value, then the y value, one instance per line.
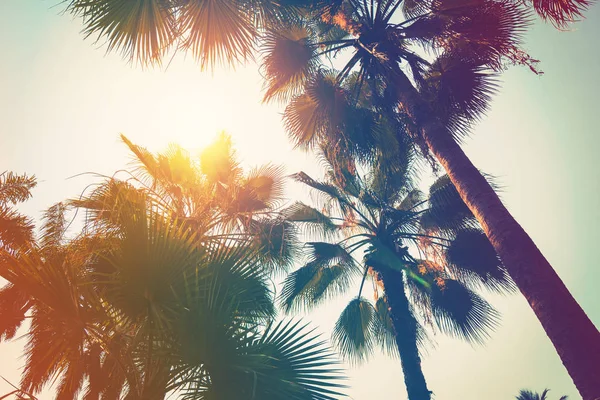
pixel 226 31
pixel 165 289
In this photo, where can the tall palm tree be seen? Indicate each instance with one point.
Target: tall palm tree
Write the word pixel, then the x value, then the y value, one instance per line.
pixel 139 304
pixel 426 255
pixel 529 395
pixel 436 102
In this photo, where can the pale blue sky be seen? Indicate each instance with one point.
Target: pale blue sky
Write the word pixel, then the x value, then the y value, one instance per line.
pixel 63 103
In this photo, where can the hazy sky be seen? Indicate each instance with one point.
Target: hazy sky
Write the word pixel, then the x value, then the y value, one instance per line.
pixel 63 103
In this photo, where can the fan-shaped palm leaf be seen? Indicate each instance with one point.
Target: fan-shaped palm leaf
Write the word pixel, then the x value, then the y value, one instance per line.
pixel 355 332
pixel 471 257
pixel 140 30
pixel 289 60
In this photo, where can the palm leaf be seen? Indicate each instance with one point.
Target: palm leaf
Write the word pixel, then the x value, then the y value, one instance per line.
pixel 16 230
pixel 289 60
pixel 462 90
pixel 561 12
pixel 386 333
pixel 355 332
pixel 446 210
pixel 15 188
pixel 260 190
pixel 460 312
pixel 218 31
pixel 140 30
pixel 276 241
pixel 314 283
pixel 472 258
pixel 14 304
pixel 316 223
pixel 54 225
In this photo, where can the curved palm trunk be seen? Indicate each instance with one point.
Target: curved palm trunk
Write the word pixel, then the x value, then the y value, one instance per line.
pixel 573 334
pixel 405 326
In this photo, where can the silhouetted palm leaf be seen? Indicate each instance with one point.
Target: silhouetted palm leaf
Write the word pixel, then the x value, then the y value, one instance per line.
pixel 471 257
pixel 355 332
pixel 289 60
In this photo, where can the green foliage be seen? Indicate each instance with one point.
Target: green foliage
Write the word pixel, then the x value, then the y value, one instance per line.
pixel 148 299
pixel 355 330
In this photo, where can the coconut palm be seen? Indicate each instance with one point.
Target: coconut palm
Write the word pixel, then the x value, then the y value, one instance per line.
pixel 529 395
pixel 425 253
pixel 436 101
pixel 139 304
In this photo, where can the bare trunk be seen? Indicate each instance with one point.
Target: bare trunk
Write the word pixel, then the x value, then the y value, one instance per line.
pixel 405 326
pixel 573 334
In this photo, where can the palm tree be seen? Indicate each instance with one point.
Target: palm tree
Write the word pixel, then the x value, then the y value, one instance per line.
pixel 139 304
pixel 529 395
pixel 435 102
pixel 426 255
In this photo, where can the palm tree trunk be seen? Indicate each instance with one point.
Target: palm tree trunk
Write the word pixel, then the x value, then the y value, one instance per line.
pixel 572 333
pixel 405 326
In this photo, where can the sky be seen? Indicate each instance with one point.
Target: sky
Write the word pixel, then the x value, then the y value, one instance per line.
pixel 64 101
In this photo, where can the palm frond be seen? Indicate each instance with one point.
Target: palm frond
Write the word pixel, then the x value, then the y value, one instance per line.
pixel 525 394
pixel 561 12
pixel 331 194
pixel 15 188
pixel 14 304
pixel 300 363
pixel 489 30
pixel 462 90
pixel 316 223
pixel 460 312
pixel 314 283
pixel 218 31
pixel 317 112
pixel 473 260
pixel 289 60
pixel 446 210
pixel 284 362
pixel 54 225
pixel 355 332
pixel 16 230
pixel 261 189
pixel 276 241
pixel 386 334
pixel 140 30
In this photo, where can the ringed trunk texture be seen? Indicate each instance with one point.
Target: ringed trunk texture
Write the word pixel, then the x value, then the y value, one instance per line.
pixel 405 326
pixel 571 331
